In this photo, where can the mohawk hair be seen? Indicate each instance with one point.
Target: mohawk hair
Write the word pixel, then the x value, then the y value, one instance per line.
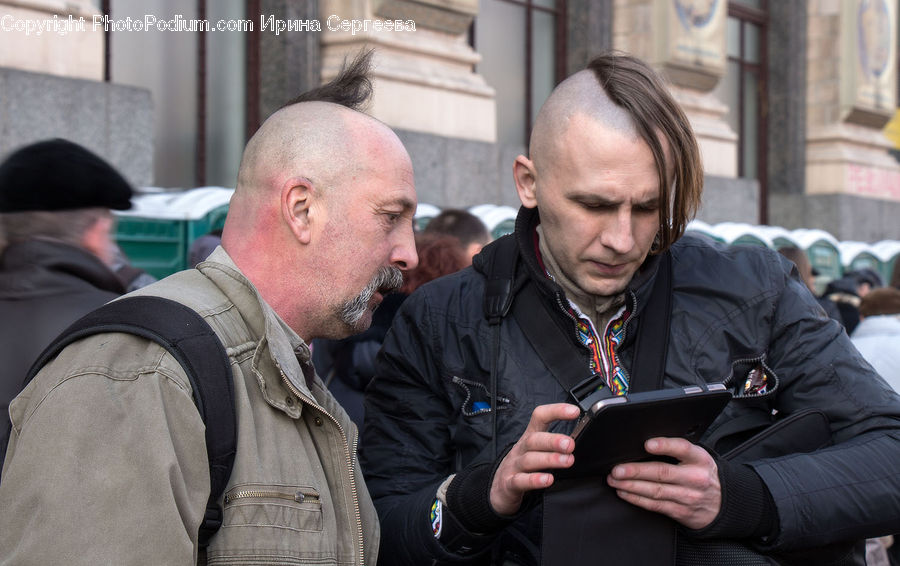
pixel 351 88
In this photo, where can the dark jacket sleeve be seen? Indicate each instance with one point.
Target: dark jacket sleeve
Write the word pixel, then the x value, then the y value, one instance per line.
pixel 852 489
pixel 407 449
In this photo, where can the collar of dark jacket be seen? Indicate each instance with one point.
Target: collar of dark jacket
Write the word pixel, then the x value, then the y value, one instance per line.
pixel 637 292
pixel 35 265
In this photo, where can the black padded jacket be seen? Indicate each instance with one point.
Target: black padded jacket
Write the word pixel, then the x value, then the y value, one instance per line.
pixel 733 308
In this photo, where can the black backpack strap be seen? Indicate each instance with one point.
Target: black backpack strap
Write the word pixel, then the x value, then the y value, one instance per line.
pixel 499 280
pixel 498 298
pixel 652 343
pixel 555 345
pixel 191 341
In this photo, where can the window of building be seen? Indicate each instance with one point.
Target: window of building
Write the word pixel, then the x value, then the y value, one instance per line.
pixel 199 103
pixel 522 44
pixel 744 89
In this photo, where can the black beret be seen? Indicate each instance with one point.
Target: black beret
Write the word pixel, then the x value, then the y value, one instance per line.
pixel 60 175
pixel 866 275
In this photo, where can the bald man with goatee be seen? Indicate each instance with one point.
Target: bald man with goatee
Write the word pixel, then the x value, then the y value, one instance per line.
pixel 108 463
pixel 599 294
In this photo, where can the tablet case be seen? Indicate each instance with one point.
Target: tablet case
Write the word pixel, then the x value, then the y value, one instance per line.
pixel 617 433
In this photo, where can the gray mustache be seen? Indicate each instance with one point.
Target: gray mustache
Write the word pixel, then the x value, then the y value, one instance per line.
pixel 386 280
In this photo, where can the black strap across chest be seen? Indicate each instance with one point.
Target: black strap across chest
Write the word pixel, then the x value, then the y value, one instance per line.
pixel 191 341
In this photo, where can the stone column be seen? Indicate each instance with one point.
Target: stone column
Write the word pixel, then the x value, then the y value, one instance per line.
pixel 851 178
pixel 423 65
pixel 589 26
pixel 51 85
pixel 289 63
pixel 787 97
pixel 52 37
pixel 686 42
pixel 426 89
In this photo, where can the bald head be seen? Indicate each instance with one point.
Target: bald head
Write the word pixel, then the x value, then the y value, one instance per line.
pixel 321 219
pixel 580 94
pixel 320 143
pixel 310 139
pixel 624 95
pixel 315 176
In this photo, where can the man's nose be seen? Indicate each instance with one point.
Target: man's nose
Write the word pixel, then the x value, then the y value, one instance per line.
pixel 619 235
pixel 403 254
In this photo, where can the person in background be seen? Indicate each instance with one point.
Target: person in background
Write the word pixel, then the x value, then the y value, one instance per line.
pixel 463 225
pixel 203 246
pixel 808 274
pixel 877 336
pixel 133 278
pixel 867 280
pixel 348 365
pixel 847 292
pixel 56 199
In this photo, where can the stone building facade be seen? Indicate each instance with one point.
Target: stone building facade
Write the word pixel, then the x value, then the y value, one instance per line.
pixel 789 99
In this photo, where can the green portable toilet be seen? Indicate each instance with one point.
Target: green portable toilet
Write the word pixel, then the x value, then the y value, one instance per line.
pixel 888 252
pixel 500 221
pixel 780 237
pixel 701 227
pixel 822 250
pixel 156 233
pixel 739 233
pixel 424 213
pixel 858 255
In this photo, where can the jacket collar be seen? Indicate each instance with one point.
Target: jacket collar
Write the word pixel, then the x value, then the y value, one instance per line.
pixel 279 345
pixel 39 267
pixel 637 291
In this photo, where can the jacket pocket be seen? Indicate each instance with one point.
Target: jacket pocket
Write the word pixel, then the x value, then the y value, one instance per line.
pixel 751 378
pixel 477 397
pixel 296 508
pixel 752 384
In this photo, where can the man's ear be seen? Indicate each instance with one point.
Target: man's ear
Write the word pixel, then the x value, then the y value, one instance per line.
pixel 296 203
pixel 526 177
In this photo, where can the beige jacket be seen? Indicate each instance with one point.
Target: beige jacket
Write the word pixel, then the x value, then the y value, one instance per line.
pixel 107 461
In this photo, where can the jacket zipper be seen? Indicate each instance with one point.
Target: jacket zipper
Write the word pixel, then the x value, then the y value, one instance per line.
pixel 729 381
pixel 603 338
pixel 624 335
pixel 300 496
pixel 466 384
pixel 349 459
pixel 572 318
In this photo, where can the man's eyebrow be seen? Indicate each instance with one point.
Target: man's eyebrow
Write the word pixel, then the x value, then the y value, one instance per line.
pixel 593 198
pixel 406 203
pixel 601 200
pixel 650 202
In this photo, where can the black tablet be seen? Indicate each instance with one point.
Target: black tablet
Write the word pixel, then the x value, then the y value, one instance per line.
pixel 614 430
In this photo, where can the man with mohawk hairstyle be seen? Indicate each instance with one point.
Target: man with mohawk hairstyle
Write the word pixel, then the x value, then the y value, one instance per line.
pixel 478 396
pixel 107 461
